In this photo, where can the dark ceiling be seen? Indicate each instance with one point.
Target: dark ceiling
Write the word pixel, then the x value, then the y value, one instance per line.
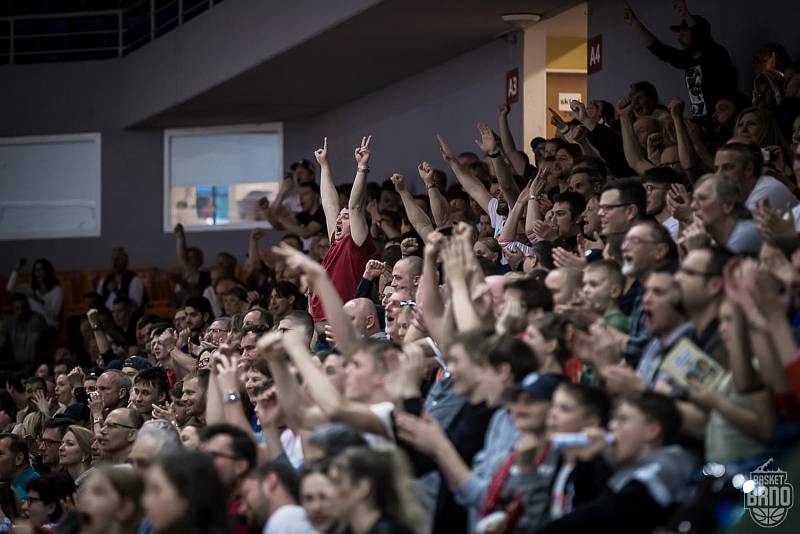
pixel 384 44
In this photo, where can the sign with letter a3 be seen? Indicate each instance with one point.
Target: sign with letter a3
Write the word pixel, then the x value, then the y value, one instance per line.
pixel 512 86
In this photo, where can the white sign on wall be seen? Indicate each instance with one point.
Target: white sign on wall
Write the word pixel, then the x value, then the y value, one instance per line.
pixel 565 98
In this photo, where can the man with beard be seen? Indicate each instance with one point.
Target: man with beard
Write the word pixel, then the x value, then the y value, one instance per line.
pixel 351 245
pixel 494 202
pixel 234 454
pixel 646 245
pixel 707 65
pixel 195 386
pixel 657 182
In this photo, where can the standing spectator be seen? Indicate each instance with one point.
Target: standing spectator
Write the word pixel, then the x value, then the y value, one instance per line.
pixel 24 332
pixel 706 64
pixel 121 281
pixel 351 244
pixel 45 294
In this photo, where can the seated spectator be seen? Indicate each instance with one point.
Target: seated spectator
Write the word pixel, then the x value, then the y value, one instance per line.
pixel 651 473
pixel 15 464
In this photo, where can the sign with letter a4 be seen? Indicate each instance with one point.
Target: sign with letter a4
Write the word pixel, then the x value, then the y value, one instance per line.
pixel 512 86
pixel 594 48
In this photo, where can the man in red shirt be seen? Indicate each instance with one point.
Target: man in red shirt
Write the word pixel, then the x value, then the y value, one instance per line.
pixel 351 245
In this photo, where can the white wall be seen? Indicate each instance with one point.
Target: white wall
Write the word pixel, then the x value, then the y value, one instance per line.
pixel 739 25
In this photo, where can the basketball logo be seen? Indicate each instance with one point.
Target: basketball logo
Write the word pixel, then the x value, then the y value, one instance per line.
pixel 768 495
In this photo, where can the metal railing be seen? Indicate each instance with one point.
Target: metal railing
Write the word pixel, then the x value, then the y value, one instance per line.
pixel 87 35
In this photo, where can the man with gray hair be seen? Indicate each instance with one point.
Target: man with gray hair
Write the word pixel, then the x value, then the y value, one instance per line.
pixel 155 438
pixel 112 391
pixel 718 203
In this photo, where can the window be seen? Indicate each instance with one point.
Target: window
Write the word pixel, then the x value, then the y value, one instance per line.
pixel 51 186
pixel 213 177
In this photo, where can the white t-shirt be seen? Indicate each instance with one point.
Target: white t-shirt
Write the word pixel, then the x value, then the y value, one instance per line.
pixel 671 224
pixel 384 412
pixel 288 519
pixel 135 292
pixel 292 447
pixel 497 220
pixel 778 194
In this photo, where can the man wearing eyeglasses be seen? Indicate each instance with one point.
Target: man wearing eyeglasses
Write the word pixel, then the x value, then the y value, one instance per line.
pixel 622 204
pixel 50 441
pixel 702 292
pixel 118 433
pixel 233 452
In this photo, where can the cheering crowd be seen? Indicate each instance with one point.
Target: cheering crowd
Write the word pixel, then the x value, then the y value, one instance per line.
pixel 607 333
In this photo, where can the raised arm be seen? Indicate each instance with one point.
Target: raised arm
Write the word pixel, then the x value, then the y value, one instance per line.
pixel 505 180
pixel 633 153
pixel 629 16
pixel 509 231
pixel 328 193
pixel 325 394
pixel 439 205
pixel 296 405
pixel 456 270
pixel 290 224
pixel 359 230
pixel 509 147
pixel 343 330
pixel 251 264
pixel 180 249
pixel 686 153
pixel 534 213
pixel 471 185
pixel 419 220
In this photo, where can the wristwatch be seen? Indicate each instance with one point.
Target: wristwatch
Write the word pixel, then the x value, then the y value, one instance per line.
pixel 231 396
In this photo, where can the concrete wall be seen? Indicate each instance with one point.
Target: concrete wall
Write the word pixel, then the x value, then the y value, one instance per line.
pixel 740 25
pixel 403 118
pixel 79 97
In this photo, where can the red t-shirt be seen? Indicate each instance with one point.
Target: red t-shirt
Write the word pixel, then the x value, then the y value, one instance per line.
pixel 344 263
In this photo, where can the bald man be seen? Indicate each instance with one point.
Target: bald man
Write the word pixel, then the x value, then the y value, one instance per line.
pixel 407 272
pixel 364 316
pixel 563 284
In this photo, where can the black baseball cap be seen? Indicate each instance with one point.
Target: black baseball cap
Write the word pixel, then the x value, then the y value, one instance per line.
pixel 137 362
pixel 303 163
pixel 701 25
pixel 540 386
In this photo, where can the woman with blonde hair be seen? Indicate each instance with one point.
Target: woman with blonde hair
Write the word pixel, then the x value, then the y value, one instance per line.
pixel 759 126
pixel 75 452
